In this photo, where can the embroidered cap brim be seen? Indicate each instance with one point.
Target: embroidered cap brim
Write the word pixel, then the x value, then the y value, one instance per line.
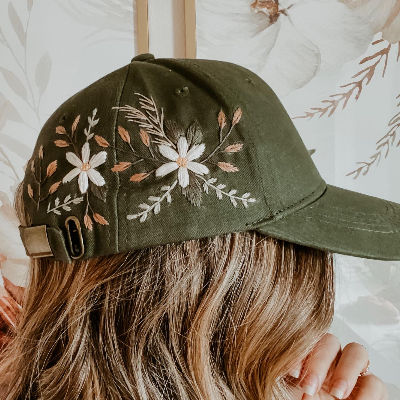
pixel 345 222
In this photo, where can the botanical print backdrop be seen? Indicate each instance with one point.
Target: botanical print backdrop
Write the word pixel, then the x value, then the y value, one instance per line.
pixel 334 64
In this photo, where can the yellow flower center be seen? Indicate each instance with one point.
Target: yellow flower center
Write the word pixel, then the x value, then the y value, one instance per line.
pixel 85 167
pixel 271 8
pixel 182 161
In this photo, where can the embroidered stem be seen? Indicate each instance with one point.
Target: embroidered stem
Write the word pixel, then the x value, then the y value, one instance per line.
pixel 156 205
pixel 219 146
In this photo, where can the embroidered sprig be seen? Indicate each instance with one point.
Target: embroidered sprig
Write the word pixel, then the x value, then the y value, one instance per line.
pixel 36 194
pixel 168 148
pixel 64 205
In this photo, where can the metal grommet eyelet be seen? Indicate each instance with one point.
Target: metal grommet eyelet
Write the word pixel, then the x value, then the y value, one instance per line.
pixel 75 238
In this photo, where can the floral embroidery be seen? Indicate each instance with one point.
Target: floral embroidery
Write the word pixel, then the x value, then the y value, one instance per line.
pixel 168 147
pixel 85 168
pixel 88 176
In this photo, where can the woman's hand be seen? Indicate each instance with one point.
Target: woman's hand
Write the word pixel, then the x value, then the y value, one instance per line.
pixel 330 373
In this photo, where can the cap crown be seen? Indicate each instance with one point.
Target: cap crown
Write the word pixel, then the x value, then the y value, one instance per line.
pixel 167 150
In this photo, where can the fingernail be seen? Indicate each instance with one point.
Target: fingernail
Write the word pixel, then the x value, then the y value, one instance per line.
pixel 295 373
pixel 339 388
pixel 310 384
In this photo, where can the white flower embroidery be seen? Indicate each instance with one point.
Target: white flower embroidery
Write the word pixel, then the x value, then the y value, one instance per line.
pixel 182 160
pixel 85 168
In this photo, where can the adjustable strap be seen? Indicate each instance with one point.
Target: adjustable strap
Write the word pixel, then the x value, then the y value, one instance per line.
pixel 44 241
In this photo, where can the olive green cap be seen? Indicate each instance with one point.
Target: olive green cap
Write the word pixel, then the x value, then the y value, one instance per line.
pixel 167 150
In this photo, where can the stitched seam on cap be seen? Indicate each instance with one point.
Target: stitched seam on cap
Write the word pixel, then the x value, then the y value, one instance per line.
pixel 115 158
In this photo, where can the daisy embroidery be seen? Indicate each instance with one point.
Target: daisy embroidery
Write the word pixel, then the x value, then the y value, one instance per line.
pixel 182 160
pixel 186 153
pixel 85 168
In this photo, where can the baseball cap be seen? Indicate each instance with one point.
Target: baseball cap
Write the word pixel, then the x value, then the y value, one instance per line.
pixel 167 150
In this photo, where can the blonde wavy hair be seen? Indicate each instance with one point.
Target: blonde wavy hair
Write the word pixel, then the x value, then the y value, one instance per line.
pixel 209 319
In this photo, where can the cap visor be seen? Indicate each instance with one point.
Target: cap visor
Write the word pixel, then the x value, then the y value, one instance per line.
pixel 345 222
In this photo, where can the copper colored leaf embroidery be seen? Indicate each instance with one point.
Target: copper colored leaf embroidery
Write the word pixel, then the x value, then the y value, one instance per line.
pixel 124 134
pixel 33 166
pixel 60 130
pixel 41 151
pixel 139 177
pixel 228 167
pixel 101 141
pixel 100 219
pixel 61 143
pixel 234 148
pixel 54 187
pixel 51 168
pixel 121 166
pixel 75 124
pixel 30 190
pixel 145 137
pixel 237 116
pixel 88 222
pixel 221 119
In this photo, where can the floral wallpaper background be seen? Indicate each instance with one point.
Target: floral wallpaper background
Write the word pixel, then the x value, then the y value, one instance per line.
pixel 335 64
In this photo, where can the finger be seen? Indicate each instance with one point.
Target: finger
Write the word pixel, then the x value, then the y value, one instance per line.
pixel 351 363
pixel 319 362
pixel 368 387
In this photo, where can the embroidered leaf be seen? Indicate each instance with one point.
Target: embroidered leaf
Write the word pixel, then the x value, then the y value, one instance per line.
pixel 233 148
pixel 61 143
pixel 144 206
pixel 56 211
pixel 228 167
pixel 88 222
pixel 54 187
pixel 121 166
pixel 221 186
pixel 90 136
pixel 143 217
pixel 169 198
pixel 33 166
pixel 194 134
pixel 51 168
pixel 153 198
pixel 48 207
pixel 99 191
pixel 145 137
pixel 233 191
pixel 100 219
pixel 60 130
pixel 57 201
pixel 205 187
pixel 165 187
pixel 101 141
pixel 237 116
pixel 66 208
pixel 41 151
pixel 77 200
pixel 124 134
pixel 246 195
pixel 233 201
pixel 67 198
pixel 173 130
pixel 139 177
pixel 221 119
pixel 212 180
pixel 193 191
pixel 75 124
pixel 30 191
pixel 157 208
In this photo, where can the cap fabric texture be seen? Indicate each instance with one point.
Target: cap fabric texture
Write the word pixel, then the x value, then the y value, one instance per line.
pixel 167 150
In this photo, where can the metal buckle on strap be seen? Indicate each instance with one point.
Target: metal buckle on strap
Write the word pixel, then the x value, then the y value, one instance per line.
pixel 36 241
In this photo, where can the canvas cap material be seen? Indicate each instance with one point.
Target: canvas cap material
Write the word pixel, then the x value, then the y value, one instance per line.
pixel 167 150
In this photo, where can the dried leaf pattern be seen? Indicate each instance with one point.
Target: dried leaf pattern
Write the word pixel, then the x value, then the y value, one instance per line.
pixel 365 76
pixel 386 141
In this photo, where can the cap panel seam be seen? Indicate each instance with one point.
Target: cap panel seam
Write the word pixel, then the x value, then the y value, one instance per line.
pixel 115 158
